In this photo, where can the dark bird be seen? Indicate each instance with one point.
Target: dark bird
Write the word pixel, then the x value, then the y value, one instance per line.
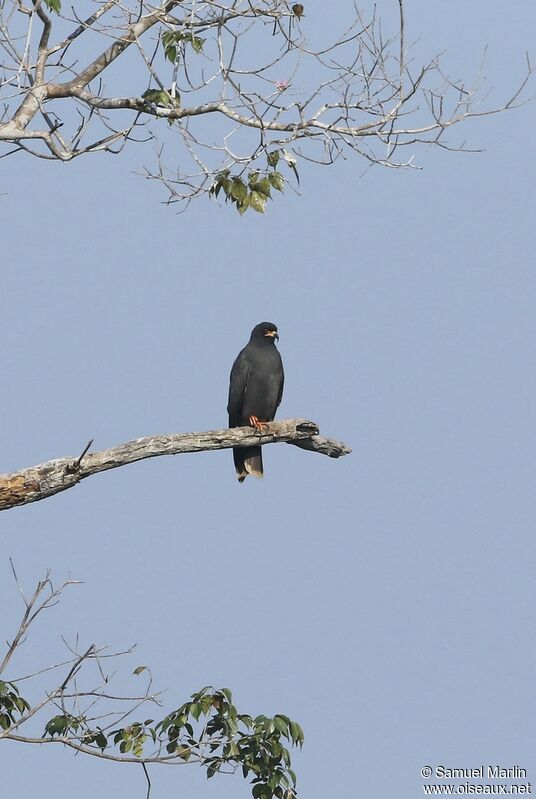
pixel 255 391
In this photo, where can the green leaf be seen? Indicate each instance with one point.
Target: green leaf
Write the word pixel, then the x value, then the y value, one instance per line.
pixel 296 732
pixel 221 182
pixel 257 202
pixel 183 752
pixel 273 780
pixel 244 205
pixel 195 710
pixel 137 747
pixel 197 43
pixel 171 53
pixel 263 187
pixel 157 96
pixel 206 704
pixel 198 694
pixel 20 704
pixel 277 180
pixel 225 184
pixel 269 726
pixel 276 748
pixel 234 751
pixel 273 158
pixel 54 5
pixel 138 670
pixel 238 189
pixel 57 724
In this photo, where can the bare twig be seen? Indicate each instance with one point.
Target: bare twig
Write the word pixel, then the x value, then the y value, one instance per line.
pixel 75 466
pixel 34 606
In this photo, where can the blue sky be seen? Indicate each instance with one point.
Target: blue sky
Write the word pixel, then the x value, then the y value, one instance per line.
pixel 385 600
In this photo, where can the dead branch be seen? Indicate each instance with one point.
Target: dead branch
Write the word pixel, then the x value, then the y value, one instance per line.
pixel 51 477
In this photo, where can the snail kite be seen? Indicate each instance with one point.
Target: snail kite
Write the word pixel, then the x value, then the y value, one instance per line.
pixel 255 391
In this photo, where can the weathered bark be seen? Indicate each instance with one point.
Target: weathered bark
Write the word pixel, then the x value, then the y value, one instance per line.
pixel 47 479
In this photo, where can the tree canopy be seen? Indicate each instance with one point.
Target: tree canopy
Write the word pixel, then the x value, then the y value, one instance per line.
pixel 79 709
pixel 234 94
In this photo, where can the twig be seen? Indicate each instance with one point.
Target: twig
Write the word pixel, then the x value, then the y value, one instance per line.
pixel 148 780
pixel 74 467
pixel 76 665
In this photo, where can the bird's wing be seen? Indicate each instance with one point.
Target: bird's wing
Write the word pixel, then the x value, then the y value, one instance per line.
pixel 280 395
pixel 237 390
pixel 281 379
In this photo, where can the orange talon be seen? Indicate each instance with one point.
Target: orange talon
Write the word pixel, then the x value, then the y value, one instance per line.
pixel 257 424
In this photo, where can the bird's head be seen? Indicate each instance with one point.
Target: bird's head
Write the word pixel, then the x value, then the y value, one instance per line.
pixel 266 331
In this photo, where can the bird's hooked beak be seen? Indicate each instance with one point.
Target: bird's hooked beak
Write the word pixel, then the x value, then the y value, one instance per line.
pixel 272 334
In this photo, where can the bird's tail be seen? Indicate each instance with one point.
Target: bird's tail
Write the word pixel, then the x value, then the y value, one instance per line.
pixel 247 460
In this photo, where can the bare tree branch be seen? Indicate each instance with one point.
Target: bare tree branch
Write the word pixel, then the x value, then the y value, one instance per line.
pixel 47 479
pixel 246 90
pixel 45 596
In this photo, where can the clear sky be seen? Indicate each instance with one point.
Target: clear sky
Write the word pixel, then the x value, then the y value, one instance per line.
pixel 385 600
